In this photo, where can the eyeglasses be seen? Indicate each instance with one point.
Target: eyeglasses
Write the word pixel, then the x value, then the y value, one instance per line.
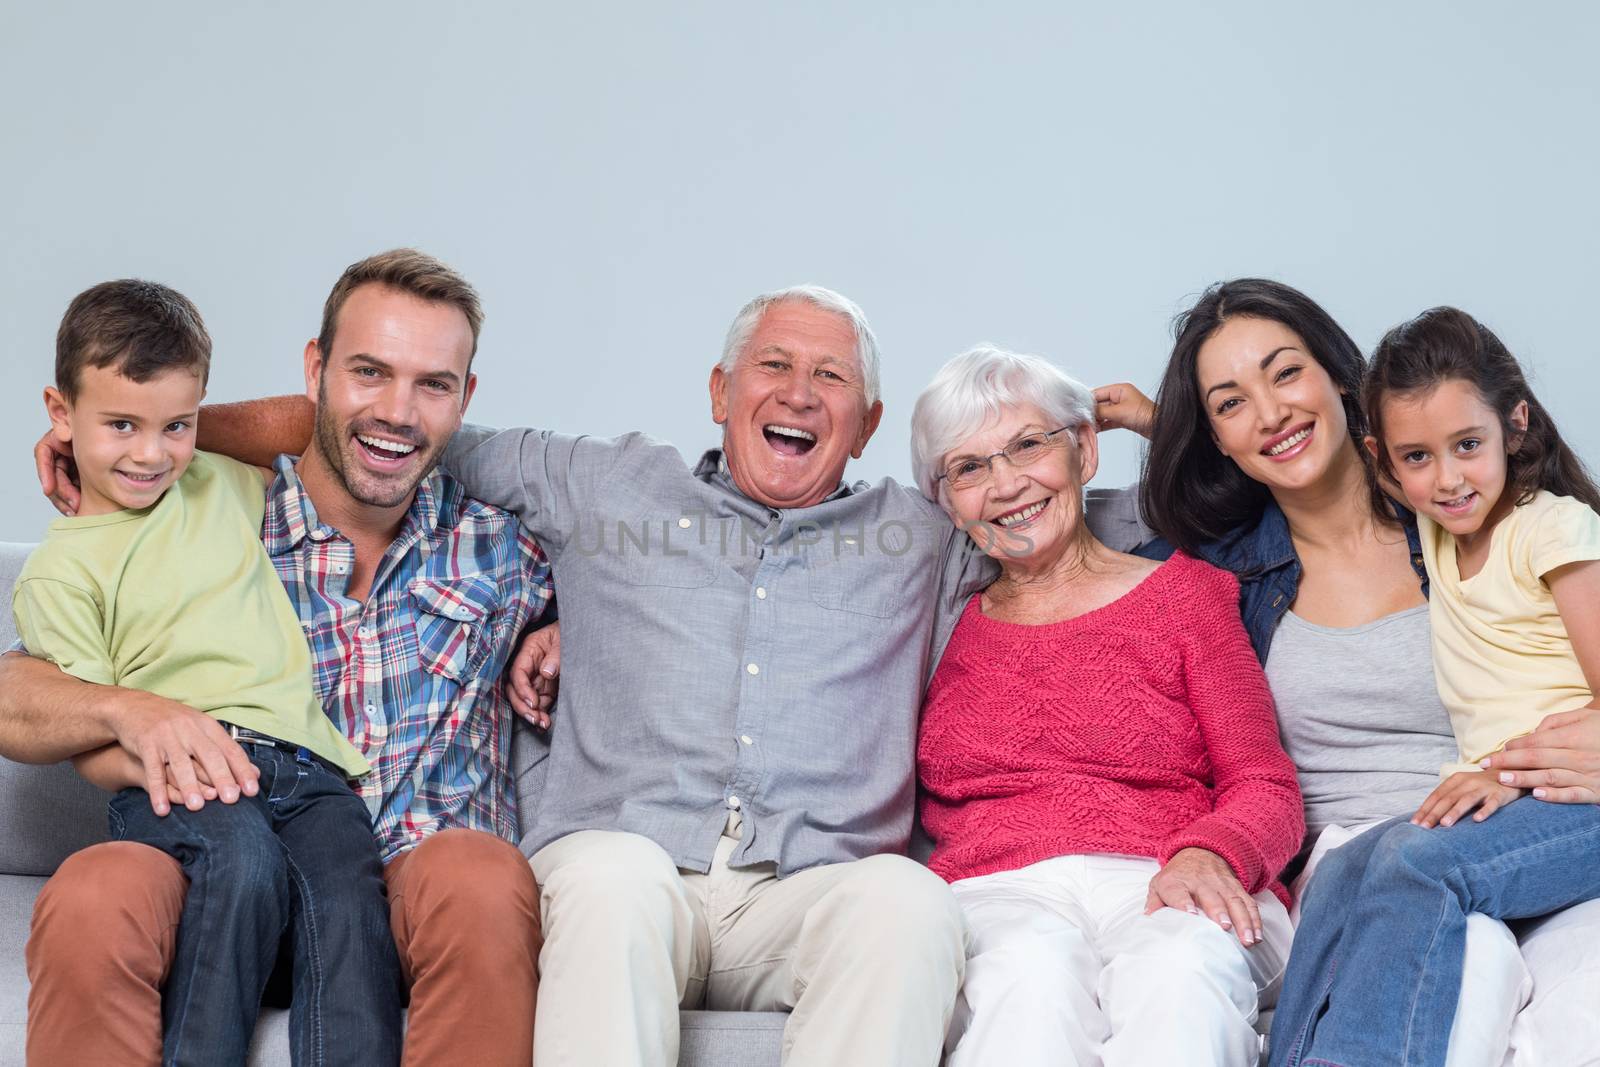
pixel 972 471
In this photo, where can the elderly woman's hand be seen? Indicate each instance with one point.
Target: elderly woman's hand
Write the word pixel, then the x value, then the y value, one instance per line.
pixel 1201 883
pixel 1560 761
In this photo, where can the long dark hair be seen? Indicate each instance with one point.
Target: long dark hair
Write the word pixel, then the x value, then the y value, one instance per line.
pixel 1445 344
pixel 1192 493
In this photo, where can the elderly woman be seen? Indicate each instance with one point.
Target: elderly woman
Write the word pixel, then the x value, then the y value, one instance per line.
pixel 1102 775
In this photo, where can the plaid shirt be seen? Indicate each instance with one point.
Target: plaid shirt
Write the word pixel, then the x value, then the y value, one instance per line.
pixel 412 675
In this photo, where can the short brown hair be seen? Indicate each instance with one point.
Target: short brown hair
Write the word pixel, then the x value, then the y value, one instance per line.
pixel 409 271
pixel 139 327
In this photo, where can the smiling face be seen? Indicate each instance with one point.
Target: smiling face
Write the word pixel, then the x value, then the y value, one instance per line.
pixel 390 393
pixel 793 409
pixel 1448 449
pixel 1027 513
pixel 131 440
pixel 1273 409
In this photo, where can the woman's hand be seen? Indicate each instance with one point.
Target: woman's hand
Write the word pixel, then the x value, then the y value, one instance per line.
pixel 1201 882
pixel 1123 407
pixel 1459 794
pixel 1560 761
pixel 534 674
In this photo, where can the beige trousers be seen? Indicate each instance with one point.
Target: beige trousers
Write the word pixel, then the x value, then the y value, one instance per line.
pixel 866 956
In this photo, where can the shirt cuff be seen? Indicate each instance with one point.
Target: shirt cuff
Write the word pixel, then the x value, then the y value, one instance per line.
pixel 1236 848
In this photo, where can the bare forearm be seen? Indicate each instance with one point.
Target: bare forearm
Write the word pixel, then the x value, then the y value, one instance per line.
pixel 111 768
pixel 47 716
pixel 257 431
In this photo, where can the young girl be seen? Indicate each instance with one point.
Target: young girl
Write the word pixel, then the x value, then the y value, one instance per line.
pixel 1511 540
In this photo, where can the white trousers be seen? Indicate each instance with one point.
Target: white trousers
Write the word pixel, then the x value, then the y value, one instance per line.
pixel 1527 1000
pixel 866 956
pixel 1064 967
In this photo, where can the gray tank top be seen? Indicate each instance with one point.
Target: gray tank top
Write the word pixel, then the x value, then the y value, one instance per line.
pixel 1360 716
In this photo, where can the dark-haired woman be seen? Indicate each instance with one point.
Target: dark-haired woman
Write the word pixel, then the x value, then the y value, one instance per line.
pixel 1255 465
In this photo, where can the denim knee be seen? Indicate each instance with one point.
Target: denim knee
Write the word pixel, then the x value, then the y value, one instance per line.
pixel 1410 851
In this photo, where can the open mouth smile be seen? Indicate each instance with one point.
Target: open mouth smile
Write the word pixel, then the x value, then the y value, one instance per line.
pixel 383 452
pixel 1290 443
pixel 1021 516
pixel 788 440
pixel 141 481
pixel 1459 505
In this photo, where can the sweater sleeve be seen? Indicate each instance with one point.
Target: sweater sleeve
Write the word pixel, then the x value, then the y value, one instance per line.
pixel 1257 819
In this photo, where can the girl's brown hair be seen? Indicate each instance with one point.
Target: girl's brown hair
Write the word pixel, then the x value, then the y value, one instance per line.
pixel 1446 344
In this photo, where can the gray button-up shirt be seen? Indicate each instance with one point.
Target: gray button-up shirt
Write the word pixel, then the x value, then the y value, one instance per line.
pixel 720 655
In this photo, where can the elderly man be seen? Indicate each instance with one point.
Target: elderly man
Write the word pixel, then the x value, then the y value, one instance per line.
pixel 729 787
pixel 411 595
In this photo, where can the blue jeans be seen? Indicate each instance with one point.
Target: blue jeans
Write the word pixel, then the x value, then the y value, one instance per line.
pixel 294 866
pixel 1375 971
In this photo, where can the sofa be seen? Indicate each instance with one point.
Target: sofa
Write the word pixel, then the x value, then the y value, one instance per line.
pixel 48 812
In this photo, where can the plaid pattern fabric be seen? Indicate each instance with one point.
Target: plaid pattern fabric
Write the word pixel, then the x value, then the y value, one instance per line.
pixel 412 675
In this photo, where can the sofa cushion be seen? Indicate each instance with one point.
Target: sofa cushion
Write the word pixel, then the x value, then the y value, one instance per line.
pixel 730 1038
pixel 46 814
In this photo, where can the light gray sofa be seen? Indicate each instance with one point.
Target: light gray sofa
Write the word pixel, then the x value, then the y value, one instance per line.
pixel 47 813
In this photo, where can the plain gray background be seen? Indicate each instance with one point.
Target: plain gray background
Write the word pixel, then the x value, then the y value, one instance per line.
pixel 618 178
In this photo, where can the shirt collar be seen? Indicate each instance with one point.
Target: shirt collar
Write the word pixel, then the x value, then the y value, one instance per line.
pixel 713 470
pixel 291 517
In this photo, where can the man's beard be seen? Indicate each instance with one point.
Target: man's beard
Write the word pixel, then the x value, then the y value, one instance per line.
pixel 337 446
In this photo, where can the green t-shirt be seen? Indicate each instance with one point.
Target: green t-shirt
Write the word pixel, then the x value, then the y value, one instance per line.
pixel 179 599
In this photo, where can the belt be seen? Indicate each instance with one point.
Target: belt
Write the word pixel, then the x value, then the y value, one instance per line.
pixel 246 736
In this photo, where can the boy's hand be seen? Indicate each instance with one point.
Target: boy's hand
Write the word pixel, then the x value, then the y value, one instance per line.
pixel 1459 794
pixel 178 747
pixel 534 675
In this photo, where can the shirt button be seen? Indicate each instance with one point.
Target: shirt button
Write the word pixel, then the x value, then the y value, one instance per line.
pixel 745 739
pixel 752 668
pixel 761 592
pixel 338 568
pixel 733 802
pixel 365 631
pixel 685 522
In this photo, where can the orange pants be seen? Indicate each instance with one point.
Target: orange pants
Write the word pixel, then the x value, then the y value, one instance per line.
pixel 463 907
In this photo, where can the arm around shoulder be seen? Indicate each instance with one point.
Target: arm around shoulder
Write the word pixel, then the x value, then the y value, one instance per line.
pixel 543 478
pixel 257 431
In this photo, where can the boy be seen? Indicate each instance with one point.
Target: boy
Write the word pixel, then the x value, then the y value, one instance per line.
pixel 160 583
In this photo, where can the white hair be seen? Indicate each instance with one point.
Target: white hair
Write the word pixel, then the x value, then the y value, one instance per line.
pixel 749 317
pixel 973 389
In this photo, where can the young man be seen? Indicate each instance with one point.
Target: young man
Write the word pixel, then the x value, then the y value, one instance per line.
pixel 410 595
pixel 157 583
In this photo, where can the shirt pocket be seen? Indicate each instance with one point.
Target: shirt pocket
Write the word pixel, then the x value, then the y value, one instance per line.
pixel 453 622
pixel 857 584
pixel 663 555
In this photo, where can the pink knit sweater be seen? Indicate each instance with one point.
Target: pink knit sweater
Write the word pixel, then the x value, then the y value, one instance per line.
pixel 1140 728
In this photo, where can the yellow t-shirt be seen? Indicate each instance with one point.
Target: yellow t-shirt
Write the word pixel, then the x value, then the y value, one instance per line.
pixel 1501 654
pixel 179 599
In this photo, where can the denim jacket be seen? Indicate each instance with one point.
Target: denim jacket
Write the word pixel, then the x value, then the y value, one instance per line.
pixel 1262 557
